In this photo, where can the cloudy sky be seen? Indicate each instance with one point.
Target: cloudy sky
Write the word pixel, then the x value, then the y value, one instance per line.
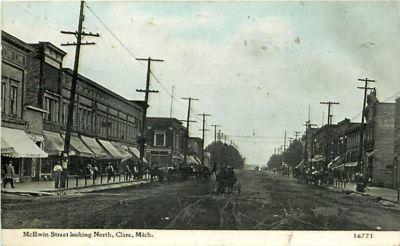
pixel 255 66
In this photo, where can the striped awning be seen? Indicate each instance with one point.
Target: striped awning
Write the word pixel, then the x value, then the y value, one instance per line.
pixel 79 147
pixel 95 147
pixel 54 144
pixel 111 149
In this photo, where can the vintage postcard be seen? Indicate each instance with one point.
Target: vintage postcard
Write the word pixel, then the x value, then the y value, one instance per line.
pixel 200 123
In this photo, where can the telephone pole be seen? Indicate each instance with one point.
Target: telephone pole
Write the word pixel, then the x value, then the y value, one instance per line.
pixel 142 140
pixel 284 143
pixel 329 103
pixel 290 141
pixel 187 127
pixel 361 147
pixel 328 152
pixel 308 126
pixel 78 34
pixel 203 130
pixel 215 132
pixel 296 134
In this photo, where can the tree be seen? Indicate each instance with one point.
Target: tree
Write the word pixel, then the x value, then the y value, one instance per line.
pixel 223 155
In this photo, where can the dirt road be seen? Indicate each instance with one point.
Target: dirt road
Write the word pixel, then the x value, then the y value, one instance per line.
pixel 267 202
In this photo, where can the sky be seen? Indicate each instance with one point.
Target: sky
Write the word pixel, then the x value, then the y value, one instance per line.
pixel 256 67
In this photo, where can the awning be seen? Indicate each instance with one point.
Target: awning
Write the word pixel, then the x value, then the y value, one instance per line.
pixel 318 158
pixel 123 149
pixel 80 147
pixel 340 167
pixel 136 153
pixel 300 164
pixel 54 144
pixel 191 160
pixel 20 142
pixel 334 162
pixel 95 147
pixel 347 164
pixel 111 149
pixel 5 148
pixel 350 164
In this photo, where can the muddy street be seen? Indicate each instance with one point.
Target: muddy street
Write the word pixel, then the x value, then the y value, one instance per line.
pixel 267 202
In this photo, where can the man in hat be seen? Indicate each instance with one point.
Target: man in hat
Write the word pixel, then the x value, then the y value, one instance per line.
pixel 9 177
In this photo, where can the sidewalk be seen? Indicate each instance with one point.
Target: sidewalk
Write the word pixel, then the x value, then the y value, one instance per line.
pixel 384 193
pixel 74 185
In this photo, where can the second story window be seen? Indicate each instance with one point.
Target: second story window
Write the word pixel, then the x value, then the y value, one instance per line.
pixel 3 97
pixel 51 106
pixel 159 139
pixel 13 100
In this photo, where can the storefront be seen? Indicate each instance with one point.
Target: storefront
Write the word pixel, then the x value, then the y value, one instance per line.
pixel 101 155
pixel 83 156
pixel 19 149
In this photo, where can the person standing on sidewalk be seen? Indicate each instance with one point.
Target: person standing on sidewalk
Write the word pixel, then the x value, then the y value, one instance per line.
pixel 57 169
pixel 95 171
pixel 64 172
pixel 110 171
pixel 9 176
pixel 128 173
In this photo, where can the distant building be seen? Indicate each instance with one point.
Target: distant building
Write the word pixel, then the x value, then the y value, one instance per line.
pixel 165 141
pixel 379 141
pixel 329 141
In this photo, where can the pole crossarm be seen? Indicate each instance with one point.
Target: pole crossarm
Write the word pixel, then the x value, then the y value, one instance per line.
pixel 82 33
pixel 73 44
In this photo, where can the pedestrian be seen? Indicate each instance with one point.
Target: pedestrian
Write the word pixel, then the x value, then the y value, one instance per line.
pixel 9 175
pixel 110 171
pixel 64 172
pixel 128 173
pixel 57 169
pixel 89 170
pixel 95 171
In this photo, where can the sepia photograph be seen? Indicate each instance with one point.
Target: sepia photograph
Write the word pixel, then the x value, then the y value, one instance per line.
pixel 200 122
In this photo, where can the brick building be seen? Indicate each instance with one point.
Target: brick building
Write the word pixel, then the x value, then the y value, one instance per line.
pixel 329 141
pixel 105 125
pixel 379 142
pixel 165 139
pixel 21 123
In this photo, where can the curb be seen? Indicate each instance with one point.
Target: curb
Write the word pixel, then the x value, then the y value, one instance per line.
pixel 362 194
pixel 81 189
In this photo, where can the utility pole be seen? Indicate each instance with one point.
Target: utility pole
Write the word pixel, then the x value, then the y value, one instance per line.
pixel 361 147
pixel 203 130
pixel 329 122
pixel 142 141
pixel 78 34
pixel 329 103
pixel 215 132
pixel 290 141
pixel 296 134
pixel 284 142
pixel 187 127
pixel 172 102
pixel 308 126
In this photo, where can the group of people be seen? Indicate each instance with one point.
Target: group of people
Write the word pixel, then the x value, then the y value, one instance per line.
pixel 226 179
